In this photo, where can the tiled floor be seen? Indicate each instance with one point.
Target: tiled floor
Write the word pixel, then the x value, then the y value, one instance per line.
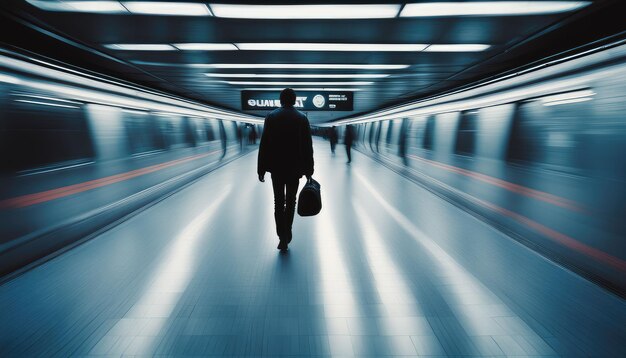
pixel 387 269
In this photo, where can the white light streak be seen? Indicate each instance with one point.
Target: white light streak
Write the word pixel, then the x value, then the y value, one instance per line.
pixel 457 48
pixel 167 8
pixel 490 8
pixel 205 47
pixel 294 75
pixel 45 103
pixel 567 101
pixel 140 47
pixel 256 83
pixel 339 47
pixel 334 11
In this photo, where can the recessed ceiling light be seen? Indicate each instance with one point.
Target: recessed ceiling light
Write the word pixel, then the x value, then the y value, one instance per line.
pixel 292 66
pixel 108 7
pixel 292 75
pixel 167 8
pixel 104 7
pixel 205 46
pixel 457 48
pixel 256 83
pixel 335 11
pixel 486 8
pixel 287 46
pixel 140 47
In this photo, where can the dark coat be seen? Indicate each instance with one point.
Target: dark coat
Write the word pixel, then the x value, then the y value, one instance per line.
pixel 286 147
pixel 349 136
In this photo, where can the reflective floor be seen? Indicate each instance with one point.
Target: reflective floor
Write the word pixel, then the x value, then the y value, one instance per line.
pixel 386 269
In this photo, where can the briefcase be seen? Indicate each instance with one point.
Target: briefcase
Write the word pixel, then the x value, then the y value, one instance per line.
pixel 310 199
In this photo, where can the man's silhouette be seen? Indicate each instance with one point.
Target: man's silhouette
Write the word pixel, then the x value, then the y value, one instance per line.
pixel 347 140
pixel 286 151
pixel 332 136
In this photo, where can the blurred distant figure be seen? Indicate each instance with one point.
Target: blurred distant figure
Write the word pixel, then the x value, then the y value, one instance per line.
pixel 332 136
pixel 348 139
pixel 252 135
pixel 402 141
pixel 240 136
pixel 286 151
pixel 224 139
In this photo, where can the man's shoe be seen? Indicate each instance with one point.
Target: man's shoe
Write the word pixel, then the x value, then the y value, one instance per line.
pixel 282 246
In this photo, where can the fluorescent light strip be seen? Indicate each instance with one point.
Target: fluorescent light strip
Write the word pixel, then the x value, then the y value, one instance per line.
pixel 490 8
pixel 292 75
pixel 256 83
pixel 167 8
pixel 335 11
pixel 140 47
pixel 102 7
pixel 457 48
pixel 45 103
pixel 342 47
pixel 289 66
pixel 302 89
pixel 567 101
pixel 299 47
pixel 205 47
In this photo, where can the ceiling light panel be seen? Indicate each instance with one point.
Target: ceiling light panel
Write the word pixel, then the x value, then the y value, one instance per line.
pixel 365 11
pixel 331 47
pixel 293 66
pixel 107 7
pixel 205 46
pixel 292 75
pixel 140 47
pixel 102 7
pixel 167 8
pixel 490 8
pixel 457 48
pixel 257 83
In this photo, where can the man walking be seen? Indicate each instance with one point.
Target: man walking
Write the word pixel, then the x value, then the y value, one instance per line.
pixel 347 140
pixel 332 136
pixel 286 151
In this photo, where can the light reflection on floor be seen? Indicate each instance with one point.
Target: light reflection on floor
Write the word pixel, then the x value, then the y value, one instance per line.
pixel 176 269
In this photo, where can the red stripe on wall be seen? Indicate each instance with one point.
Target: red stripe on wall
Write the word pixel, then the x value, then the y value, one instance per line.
pixel 44 196
pixel 515 188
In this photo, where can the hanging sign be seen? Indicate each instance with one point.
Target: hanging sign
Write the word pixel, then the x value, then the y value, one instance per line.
pixel 305 100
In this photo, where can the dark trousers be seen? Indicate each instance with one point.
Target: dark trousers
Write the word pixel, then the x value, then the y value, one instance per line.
pixel 285 190
pixel 348 147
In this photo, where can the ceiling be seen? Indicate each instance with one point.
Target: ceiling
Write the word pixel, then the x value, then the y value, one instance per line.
pixel 512 41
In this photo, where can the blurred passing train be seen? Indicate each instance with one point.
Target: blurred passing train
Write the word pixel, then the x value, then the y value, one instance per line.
pixel 540 153
pixel 80 151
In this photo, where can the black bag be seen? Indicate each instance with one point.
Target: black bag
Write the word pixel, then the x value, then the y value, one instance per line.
pixel 310 199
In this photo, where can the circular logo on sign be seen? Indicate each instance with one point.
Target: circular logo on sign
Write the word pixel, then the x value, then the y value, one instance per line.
pixel 318 101
pixel 251 102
